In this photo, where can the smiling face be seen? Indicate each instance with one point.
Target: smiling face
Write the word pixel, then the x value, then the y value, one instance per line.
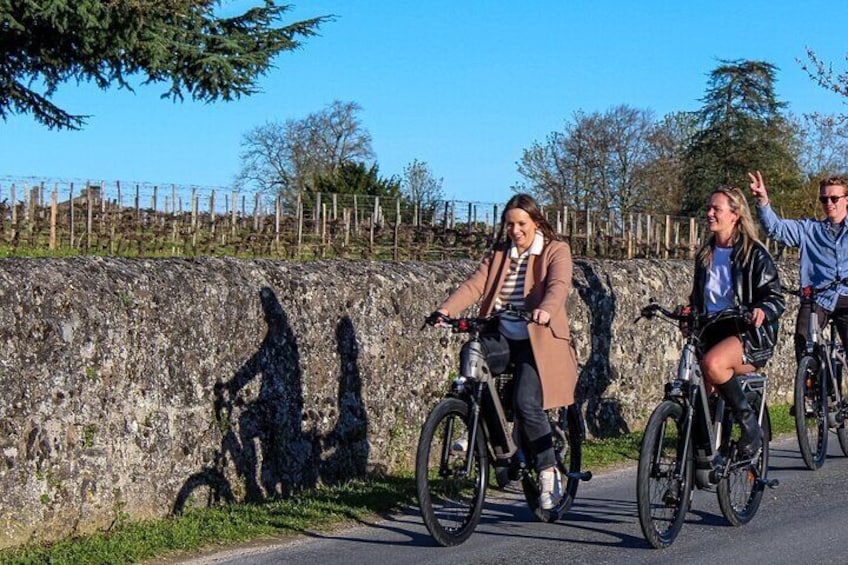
pixel 520 228
pixel 721 219
pixel 836 211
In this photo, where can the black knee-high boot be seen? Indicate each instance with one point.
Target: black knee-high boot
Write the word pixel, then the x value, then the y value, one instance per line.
pixel 751 437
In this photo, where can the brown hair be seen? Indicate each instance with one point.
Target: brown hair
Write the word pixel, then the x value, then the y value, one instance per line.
pixel 525 202
pixel 832 181
pixel 745 228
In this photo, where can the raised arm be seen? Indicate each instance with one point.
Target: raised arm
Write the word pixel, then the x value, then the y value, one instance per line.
pixel 789 232
pixel 758 188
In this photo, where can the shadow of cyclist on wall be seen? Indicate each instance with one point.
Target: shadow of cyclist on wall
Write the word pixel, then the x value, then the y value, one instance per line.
pixel 274 451
pixel 603 416
pixel 347 443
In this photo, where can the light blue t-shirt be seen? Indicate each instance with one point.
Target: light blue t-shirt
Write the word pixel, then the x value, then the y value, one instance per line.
pixel 719 288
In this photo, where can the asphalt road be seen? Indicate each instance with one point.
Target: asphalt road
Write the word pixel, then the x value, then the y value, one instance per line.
pixel 804 520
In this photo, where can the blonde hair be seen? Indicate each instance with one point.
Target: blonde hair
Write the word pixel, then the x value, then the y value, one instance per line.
pixel 744 229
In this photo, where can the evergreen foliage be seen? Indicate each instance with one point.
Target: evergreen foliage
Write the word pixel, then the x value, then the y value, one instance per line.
pixel 358 178
pixel 741 128
pixel 45 43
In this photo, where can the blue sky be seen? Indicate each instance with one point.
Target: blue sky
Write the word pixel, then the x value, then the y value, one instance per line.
pixel 462 85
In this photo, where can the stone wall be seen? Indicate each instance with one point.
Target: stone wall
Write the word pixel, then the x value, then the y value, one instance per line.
pixel 128 388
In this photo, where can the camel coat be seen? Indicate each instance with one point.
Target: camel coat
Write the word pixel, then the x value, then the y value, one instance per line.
pixel 546 286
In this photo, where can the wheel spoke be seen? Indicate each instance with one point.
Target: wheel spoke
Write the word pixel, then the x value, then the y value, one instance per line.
pixel 664 476
pixel 450 497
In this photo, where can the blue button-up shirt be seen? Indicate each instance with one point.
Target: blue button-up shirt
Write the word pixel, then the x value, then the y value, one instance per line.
pixel 824 257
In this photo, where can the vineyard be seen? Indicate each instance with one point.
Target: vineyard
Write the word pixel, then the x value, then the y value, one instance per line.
pixel 38 220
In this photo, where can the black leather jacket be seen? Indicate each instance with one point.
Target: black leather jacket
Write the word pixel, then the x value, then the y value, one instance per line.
pixel 755 285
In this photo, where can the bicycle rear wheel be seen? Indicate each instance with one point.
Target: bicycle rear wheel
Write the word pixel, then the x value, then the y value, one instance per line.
pixel 841 430
pixel 842 436
pixel 450 499
pixel 810 413
pixel 569 451
pixel 664 476
pixel 568 448
pixel 740 494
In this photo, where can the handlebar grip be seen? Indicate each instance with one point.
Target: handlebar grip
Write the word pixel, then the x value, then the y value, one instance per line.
pixel 434 318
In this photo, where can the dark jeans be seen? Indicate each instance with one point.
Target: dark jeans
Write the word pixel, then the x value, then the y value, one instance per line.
pixel 526 394
pixel 839 314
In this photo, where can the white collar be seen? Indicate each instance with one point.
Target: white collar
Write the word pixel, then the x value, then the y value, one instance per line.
pixel 534 249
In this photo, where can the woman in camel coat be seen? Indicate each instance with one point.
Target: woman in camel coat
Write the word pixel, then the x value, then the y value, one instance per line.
pixel 528 268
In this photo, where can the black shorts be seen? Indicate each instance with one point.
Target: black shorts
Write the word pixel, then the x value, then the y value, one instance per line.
pixel 724 329
pixel 718 332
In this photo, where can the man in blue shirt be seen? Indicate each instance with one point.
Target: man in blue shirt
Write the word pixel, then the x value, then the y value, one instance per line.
pixel 823 247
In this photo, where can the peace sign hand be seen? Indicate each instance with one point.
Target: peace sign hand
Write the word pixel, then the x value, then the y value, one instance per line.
pixel 758 188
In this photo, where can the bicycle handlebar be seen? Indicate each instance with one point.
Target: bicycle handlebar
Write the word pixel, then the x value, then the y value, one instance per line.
pixel 810 291
pixel 474 323
pixel 687 315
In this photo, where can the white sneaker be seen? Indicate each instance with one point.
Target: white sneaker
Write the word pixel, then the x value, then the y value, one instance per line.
pixel 550 485
pixel 461 443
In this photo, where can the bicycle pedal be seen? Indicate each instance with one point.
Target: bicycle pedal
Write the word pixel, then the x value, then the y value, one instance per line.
pixel 770 483
pixel 582 476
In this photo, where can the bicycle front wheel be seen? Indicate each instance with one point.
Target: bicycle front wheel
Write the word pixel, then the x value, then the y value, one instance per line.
pixel 811 413
pixel 740 494
pixel 664 476
pixel 450 494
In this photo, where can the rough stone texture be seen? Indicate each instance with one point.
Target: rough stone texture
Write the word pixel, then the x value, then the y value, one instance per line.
pixel 128 385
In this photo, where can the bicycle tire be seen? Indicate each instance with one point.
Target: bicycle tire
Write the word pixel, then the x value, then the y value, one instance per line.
pixel 842 436
pixel 568 449
pixel 450 500
pixel 841 430
pixel 570 458
pixel 810 413
pixel 740 494
pixel 664 475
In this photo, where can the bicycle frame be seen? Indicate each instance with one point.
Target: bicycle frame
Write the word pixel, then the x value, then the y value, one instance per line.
pixel 824 350
pixel 704 430
pixel 688 442
pixel 475 384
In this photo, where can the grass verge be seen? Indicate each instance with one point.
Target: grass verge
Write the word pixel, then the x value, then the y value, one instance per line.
pixel 320 509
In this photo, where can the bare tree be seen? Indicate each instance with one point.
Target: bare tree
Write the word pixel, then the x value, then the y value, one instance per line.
pixel 822 73
pixel 555 172
pixel 824 144
pixel 288 158
pixel 420 187
pixel 820 144
pixel 665 165
pixel 601 160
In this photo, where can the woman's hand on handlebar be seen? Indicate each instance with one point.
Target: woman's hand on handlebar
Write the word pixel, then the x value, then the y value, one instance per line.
pixel 541 317
pixel 684 322
pixel 437 319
